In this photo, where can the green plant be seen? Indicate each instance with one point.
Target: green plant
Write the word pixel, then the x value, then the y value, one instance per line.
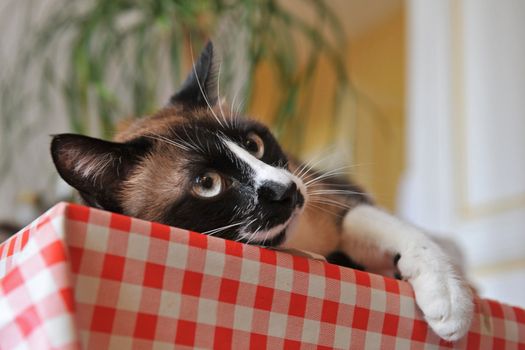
pixel 103 60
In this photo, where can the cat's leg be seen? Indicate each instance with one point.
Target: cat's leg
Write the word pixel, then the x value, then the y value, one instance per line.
pixel 444 297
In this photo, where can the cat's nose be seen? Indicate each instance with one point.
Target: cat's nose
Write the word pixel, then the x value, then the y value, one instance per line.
pixel 275 192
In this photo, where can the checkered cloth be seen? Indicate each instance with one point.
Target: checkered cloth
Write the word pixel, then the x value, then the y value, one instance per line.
pixel 80 277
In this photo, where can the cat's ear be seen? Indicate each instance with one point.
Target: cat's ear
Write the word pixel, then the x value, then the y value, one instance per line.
pixel 200 87
pixel 94 167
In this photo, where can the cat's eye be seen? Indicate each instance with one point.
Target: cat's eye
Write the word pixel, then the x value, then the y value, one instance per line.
pixel 255 145
pixel 209 184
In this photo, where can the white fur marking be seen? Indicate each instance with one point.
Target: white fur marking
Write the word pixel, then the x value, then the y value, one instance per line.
pixel 263 171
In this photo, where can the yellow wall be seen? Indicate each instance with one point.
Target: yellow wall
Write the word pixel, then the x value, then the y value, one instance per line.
pixel 373 115
pixel 377 66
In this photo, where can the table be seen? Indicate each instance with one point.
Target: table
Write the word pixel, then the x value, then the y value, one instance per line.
pixel 79 277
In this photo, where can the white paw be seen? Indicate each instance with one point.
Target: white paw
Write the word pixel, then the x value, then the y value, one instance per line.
pixel 444 298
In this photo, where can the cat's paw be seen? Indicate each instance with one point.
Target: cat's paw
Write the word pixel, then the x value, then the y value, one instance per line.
pixel 443 297
pixel 446 303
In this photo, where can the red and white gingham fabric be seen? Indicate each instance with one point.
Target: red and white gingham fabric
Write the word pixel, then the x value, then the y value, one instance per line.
pixel 84 278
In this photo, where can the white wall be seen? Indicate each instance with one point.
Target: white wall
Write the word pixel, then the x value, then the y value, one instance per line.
pixel 466 134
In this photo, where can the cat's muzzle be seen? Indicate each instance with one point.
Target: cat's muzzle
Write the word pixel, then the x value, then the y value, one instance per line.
pixel 280 195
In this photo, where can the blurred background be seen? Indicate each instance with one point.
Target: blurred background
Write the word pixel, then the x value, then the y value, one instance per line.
pixel 424 99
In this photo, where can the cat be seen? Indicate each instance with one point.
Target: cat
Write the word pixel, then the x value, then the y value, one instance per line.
pixel 197 166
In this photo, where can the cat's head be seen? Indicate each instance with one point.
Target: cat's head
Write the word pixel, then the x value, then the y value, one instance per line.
pixel 192 165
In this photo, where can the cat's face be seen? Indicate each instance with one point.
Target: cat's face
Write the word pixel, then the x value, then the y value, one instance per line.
pixel 191 165
pixel 229 179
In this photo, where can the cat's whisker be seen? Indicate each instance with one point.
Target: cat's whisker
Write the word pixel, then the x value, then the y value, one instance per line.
pixel 216 230
pixel 331 205
pixel 305 178
pixel 339 169
pixel 321 192
pixel 324 155
pixel 201 89
pixel 245 237
pixel 250 235
pixel 329 184
pixel 317 159
pixel 251 222
pixel 304 168
pixel 331 173
pixel 265 237
pixel 310 172
pixel 324 176
pixel 324 198
pixel 240 107
pixel 179 140
pixel 219 94
pixel 313 174
pixel 233 104
pixel 234 112
pixel 254 234
pixel 168 141
pixel 331 202
pixel 180 143
pixel 324 209
pixel 305 171
pixel 195 146
pixel 245 234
